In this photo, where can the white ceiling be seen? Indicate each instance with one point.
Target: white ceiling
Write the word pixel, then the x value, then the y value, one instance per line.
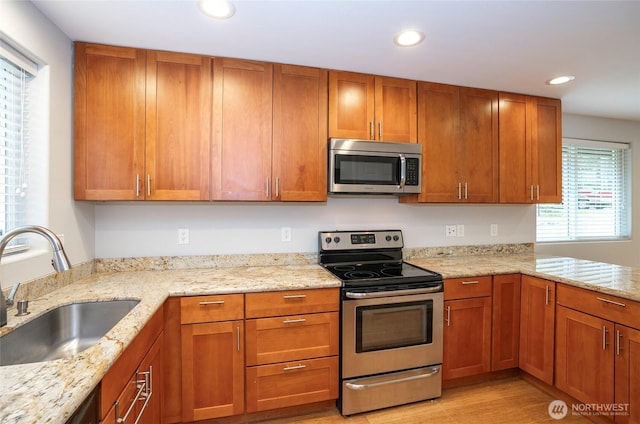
pixel 504 45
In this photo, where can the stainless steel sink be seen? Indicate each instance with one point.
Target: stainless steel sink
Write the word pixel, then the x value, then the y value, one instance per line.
pixel 62 332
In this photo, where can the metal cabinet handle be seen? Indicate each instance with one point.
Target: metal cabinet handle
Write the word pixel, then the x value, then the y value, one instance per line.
pixel 459 191
pixel 293 321
pixel 295 367
pixel 546 295
pixel 137 185
pixel 148 185
pixel 618 342
pixel 470 282
pixel 277 187
pixel 448 318
pixel 604 337
pixel 238 338
pixel 212 302
pixel 538 192
pixel 380 129
pixel 531 190
pixel 294 296
pixel 466 192
pixel 602 299
pixel 266 187
pixel 145 390
pixel 372 133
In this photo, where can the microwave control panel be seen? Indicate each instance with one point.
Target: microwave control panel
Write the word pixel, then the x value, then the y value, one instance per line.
pixel 413 172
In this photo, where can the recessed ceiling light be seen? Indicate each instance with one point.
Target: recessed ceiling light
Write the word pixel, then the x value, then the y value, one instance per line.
pixel 219 9
pixel 408 38
pixel 560 80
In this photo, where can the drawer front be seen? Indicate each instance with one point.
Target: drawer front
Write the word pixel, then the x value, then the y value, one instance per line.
pixel 612 308
pixel 226 307
pixel 291 383
pixel 464 288
pixel 290 338
pixel 292 302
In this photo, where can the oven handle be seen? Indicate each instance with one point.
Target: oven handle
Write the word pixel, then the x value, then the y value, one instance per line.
pixel 352 295
pixel 355 386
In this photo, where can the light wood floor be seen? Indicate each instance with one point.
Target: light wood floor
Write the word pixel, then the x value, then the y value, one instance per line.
pixel 504 401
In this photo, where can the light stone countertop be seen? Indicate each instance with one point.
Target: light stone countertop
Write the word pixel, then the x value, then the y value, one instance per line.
pixel 50 392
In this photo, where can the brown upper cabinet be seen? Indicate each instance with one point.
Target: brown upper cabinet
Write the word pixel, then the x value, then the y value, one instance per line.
pixel 270 132
pixel 530 149
pixel 142 124
pixel 458 126
pixel 372 107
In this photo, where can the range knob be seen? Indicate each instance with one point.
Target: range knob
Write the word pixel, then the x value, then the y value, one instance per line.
pixel 388 238
pixel 336 239
pixel 396 238
pixel 327 240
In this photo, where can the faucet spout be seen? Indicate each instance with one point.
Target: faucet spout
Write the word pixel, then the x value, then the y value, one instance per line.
pixel 60 261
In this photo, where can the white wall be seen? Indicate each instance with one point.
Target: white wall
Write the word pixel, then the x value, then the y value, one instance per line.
pixel 26 26
pixel 136 229
pixel 619 252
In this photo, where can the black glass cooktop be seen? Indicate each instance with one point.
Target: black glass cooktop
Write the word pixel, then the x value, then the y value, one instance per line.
pixel 381 273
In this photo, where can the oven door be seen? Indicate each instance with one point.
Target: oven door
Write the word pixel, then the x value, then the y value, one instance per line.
pixel 391 332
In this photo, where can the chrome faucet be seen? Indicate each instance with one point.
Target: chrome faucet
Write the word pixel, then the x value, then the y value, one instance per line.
pixel 60 261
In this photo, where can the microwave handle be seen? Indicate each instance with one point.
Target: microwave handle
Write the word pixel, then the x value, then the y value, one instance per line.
pixel 403 171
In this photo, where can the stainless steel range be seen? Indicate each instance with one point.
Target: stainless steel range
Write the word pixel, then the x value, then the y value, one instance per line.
pixel 391 321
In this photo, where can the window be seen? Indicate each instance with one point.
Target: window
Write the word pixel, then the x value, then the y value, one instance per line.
pixel 16 75
pixel 596 199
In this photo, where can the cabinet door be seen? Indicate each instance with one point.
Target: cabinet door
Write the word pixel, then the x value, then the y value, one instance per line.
pixel 515 149
pixel 395 110
pixel 351 105
pixel 627 373
pixel 242 130
pixel 178 126
pixel 109 122
pixel 212 370
pixel 172 357
pixel 505 322
pixel 479 144
pixel 584 356
pixel 151 409
pixel 438 129
pixel 537 318
pixel 547 149
pixel 467 337
pixel 299 134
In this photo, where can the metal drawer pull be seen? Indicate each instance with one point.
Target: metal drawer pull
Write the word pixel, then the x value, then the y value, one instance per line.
pixel 356 386
pixel 212 302
pixel 618 342
pixel 294 296
pixel 546 295
pixel 292 321
pixel 470 282
pixel 294 367
pixel 602 299
pixel 238 338
pixel 604 337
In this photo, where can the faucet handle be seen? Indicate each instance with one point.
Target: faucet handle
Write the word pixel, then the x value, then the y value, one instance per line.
pixel 12 294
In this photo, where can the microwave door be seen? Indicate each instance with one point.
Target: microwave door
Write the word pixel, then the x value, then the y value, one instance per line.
pixel 366 173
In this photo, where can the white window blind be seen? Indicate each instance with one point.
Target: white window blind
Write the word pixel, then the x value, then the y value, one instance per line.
pixel 596 195
pixel 14 140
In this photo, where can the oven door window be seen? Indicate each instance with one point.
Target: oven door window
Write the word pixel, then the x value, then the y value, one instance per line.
pixel 360 169
pixel 390 326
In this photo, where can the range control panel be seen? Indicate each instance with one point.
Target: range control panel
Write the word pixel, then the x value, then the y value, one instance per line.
pixel 354 240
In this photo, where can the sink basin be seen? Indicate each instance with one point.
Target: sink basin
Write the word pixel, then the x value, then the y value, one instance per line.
pixel 62 332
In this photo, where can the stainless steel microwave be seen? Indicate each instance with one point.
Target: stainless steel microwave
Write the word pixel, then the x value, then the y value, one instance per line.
pixel 375 167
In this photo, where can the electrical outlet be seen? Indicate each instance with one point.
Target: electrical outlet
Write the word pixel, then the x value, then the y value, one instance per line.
pixel 460 230
pixel 183 236
pixel 451 230
pixel 494 230
pixel 285 234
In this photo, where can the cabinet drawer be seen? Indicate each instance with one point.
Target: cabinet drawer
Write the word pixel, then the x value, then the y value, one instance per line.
pixel 224 307
pixel 463 288
pixel 612 308
pixel 290 338
pixel 291 383
pixel 273 304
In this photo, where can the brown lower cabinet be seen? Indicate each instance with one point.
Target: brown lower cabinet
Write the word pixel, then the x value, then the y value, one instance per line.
pixel 597 355
pixel 505 322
